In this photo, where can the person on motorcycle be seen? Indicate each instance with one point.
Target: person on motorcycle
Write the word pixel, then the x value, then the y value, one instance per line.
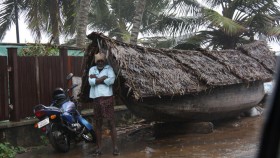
pixel 101 80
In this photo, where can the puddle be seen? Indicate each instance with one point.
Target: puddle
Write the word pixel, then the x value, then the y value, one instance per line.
pixel 231 138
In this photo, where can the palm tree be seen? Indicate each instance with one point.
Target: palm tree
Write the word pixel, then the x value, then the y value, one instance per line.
pixel 9 11
pixel 240 21
pixel 41 16
pixel 140 8
pixel 112 17
pixel 54 17
pixel 82 22
pixel 117 17
pixel 16 17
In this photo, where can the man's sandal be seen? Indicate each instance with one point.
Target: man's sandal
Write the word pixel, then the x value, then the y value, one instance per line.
pixel 116 152
pixel 97 152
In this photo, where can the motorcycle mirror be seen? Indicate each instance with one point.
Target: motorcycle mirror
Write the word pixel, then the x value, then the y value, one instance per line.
pixel 69 76
pixel 72 87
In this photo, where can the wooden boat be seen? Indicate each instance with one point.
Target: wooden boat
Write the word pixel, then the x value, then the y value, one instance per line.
pixel 214 104
pixel 184 85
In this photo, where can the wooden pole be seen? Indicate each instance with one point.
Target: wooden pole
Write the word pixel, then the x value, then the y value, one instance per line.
pixel 13 84
pixel 4 111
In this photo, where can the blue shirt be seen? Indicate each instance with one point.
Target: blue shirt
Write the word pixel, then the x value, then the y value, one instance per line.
pixel 100 90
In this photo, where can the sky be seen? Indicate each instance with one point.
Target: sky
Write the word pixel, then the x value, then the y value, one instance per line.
pixel 26 37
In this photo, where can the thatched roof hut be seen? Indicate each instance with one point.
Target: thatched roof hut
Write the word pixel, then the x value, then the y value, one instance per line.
pixel 151 72
pixel 158 73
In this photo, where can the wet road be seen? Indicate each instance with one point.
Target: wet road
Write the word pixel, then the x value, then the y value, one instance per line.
pixel 238 138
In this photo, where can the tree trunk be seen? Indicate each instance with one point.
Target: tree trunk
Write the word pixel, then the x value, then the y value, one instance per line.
pixel 140 8
pixel 82 21
pixel 54 16
pixel 16 18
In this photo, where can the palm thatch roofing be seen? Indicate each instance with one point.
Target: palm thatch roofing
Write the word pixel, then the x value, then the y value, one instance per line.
pixel 147 72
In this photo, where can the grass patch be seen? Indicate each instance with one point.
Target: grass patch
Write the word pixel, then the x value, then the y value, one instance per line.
pixel 9 151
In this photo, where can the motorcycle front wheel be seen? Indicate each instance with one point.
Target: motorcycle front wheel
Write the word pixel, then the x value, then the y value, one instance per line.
pixel 88 135
pixel 59 139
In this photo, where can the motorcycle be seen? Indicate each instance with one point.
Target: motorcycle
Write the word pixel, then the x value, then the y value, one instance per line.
pixel 62 122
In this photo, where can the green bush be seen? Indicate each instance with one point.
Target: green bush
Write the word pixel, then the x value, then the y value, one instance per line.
pixel 39 50
pixel 9 151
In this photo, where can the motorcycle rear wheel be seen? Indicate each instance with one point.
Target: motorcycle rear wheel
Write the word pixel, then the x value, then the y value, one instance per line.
pixel 58 139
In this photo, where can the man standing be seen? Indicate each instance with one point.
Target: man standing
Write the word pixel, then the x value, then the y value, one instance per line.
pixel 101 80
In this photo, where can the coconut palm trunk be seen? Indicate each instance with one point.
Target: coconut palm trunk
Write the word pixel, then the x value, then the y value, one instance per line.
pixel 16 18
pixel 140 8
pixel 82 21
pixel 54 16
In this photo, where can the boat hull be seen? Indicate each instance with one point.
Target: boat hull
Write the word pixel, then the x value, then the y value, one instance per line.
pixel 217 103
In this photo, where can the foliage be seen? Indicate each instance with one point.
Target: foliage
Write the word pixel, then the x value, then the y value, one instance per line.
pixel 115 17
pixel 157 42
pixel 44 140
pixel 112 17
pixel 219 24
pixel 50 17
pixel 9 151
pixel 39 50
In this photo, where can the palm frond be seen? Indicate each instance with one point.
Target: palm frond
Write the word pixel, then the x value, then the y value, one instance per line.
pixel 69 11
pixel 37 21
pixel 260 21
pixel 214 3
pixel 157 5
pixel 7 17
pixel 150 16
pixel 267 7
pixel 101 17
pixel 153 10
pixel 274 39
pixel 227 25
pixel 186 7
pixel 157 42
pixel 273 31
pixel 174 25
pixel 123 9
pixel 193 42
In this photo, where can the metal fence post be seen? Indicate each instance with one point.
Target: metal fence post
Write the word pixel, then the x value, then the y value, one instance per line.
pixel 13 84
pixel 64 61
